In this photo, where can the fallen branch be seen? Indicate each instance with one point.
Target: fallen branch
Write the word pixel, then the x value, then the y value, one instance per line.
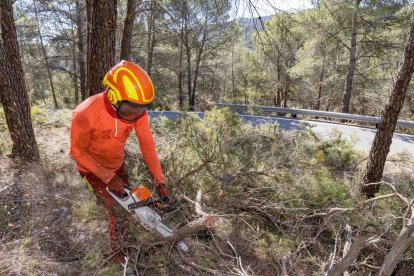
pixel 336 210
pixel 197 266
pixel 403 241
pixel 197 203
pixel 238 258
pixel 204 223
pixel 349 258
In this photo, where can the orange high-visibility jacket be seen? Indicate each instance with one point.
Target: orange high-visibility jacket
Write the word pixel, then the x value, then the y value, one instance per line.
pixel 97 139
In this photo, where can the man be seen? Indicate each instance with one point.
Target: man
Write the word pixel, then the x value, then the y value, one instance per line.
pixel 100 127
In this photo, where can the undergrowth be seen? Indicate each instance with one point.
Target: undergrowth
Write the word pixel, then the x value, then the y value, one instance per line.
pixel 270 189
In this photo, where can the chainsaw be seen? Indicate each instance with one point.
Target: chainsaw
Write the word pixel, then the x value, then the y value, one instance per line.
pixel 139 202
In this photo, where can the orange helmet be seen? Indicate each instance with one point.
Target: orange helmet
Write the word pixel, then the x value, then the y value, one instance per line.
pixel 129 82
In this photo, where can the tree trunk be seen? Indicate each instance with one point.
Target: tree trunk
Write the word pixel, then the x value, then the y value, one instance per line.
pixel 13 95
pixel 286 92
pixel 180 73
pixel 188 55
pixel 75 71
pixel 197 68
pixel 128 27
pixel 233 81
pixel 321 76
pixel 277 98
pixel 151 38
pixel 246 98
pixel 352 60
pixel 49 73
pixel 101 43
pixel 89 15
pixel 81 49
pixel 386 127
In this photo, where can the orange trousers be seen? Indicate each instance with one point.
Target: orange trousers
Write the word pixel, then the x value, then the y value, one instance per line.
pixel 113 210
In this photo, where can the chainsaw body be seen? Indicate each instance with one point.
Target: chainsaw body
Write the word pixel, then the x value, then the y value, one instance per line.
pixel 139 203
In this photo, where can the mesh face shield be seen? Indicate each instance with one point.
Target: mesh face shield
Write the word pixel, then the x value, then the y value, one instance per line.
pixel 131 112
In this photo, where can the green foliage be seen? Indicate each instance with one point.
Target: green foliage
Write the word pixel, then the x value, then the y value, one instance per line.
pixel 322 190
pixel 337 152
pixel 38 114
pixel 274 245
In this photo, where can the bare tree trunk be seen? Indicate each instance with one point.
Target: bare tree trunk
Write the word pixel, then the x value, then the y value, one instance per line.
pixel 89 15
pixel 233 81
pixel 386 127
pixel 75 70
pixel 49 73
pixel 198 61
pixel 81 49
pixel 321 76
pixel 189 78
pixel 352 60
pixel 180 73
pixel 286 92
pixel 246 98
pixel 151 38
pixel 13 95
pixel 188 55
pixel 277 98
pixel 128 27
pixel 101 43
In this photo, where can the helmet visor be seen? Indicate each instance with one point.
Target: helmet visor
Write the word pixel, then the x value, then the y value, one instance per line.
pixel 130 112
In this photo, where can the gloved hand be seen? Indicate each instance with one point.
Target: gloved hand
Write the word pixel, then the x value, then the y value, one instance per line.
pixel 117 185
pixel 163 190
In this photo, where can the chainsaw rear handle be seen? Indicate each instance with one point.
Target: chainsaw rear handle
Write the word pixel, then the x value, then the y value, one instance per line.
pixel 149 201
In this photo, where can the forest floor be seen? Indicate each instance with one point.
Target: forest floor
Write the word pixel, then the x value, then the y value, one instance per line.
pixel 51 225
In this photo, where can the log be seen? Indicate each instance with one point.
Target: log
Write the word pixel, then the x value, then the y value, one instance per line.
pixel 404 240
pixel 349 258
pixel 203 223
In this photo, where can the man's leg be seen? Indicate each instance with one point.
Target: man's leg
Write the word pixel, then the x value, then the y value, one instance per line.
pixel 113 211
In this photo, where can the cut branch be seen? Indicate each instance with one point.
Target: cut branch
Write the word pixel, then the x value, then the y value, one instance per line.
pixel 349 258
pixel 204 223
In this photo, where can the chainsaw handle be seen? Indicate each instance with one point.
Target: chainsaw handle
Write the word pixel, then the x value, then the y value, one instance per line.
pixel 149 201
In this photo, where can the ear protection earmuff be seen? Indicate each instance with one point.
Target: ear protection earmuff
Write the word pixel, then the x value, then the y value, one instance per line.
pixel 113 99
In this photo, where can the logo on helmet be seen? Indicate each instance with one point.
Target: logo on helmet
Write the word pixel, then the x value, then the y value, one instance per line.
pixel 129 82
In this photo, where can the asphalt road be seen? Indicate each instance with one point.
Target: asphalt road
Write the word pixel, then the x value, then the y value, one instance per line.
pixel 363 136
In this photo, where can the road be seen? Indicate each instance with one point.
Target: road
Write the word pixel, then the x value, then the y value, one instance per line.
pixel 364 136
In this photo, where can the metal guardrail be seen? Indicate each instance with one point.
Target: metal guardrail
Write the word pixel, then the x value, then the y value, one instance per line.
pixel 344 116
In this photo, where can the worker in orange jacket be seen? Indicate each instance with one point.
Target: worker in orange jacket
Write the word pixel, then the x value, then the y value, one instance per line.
pixel 100 127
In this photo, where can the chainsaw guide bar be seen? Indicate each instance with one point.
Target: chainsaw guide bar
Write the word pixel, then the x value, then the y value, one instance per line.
pixel 148 218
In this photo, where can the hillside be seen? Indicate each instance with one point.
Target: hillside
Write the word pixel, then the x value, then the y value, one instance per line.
pixel 250 26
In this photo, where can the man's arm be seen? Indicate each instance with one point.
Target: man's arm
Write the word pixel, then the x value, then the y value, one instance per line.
pixel 147 146
pixel 80 135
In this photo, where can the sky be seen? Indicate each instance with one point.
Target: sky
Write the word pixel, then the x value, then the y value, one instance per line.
pixel 269 7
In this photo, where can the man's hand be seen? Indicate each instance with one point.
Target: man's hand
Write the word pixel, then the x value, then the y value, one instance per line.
pixel 117 185
pixel 163 190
